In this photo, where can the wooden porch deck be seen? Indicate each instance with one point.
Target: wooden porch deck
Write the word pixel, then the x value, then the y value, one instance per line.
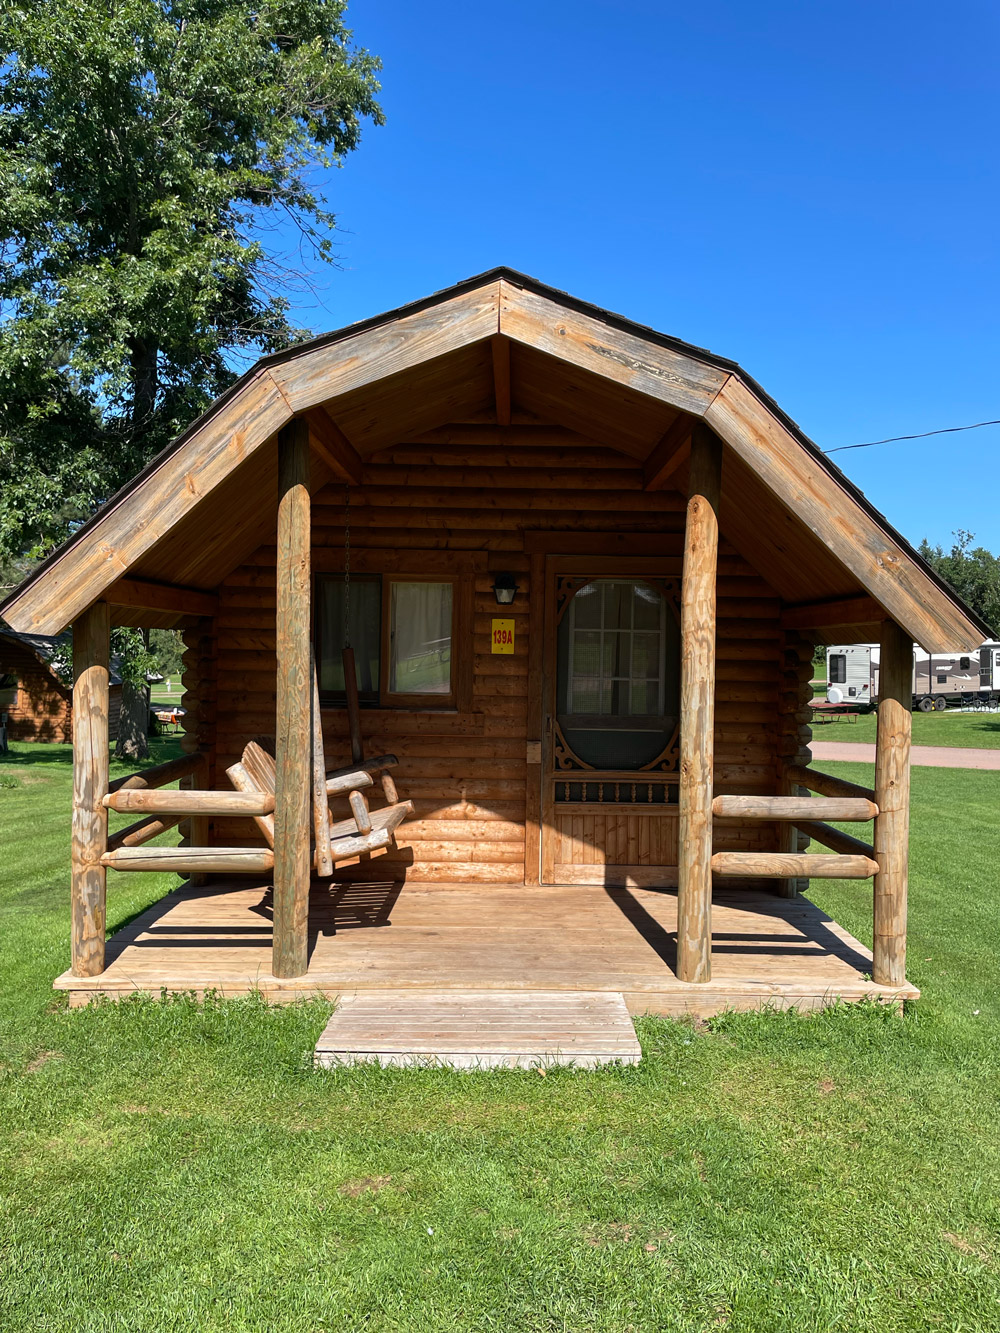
pixel 766 950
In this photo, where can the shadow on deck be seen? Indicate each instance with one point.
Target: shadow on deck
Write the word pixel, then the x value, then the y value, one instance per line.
pixel 766 950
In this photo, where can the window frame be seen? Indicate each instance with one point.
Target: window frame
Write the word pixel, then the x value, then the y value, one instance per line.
pixel 396 699
pixel 841 660
pixel 461 652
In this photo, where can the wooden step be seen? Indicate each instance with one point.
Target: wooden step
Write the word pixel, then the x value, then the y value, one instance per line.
pixel 192 860
pixel 486 1029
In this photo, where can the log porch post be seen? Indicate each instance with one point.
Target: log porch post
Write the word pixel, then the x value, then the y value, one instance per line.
pixel 697 720
pixel 293 739
pixel 88 878
pixel 892 795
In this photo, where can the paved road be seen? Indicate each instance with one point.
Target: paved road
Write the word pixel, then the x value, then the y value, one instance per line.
pixel 925 756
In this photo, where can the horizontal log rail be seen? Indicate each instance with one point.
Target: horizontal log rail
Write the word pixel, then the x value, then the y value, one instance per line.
pixel 835 839
pixel 160 774
pixel 352 779
pixel 192 802
pixel 826 784
pixel 791 865
pixel 845 808
pixel 142 831
pixel 193 860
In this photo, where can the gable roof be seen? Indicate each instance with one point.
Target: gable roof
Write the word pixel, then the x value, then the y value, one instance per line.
pixel 421 364
pixel 47 648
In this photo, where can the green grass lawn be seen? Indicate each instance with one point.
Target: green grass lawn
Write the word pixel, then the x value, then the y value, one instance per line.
pixel 166 1166
pixel 159 694
pixel 978 731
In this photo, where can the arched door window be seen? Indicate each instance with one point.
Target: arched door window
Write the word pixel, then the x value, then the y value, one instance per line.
pixel 618 674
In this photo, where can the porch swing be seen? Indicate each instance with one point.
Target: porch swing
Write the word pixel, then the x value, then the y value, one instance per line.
pixel 366 830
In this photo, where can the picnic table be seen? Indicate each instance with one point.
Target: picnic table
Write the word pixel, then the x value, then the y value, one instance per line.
pixel 827 712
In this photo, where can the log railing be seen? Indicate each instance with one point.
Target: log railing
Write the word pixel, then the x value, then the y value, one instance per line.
pixel 140 793
pixel 846 803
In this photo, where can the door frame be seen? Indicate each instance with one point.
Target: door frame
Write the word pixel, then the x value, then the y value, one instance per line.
pixel 588 567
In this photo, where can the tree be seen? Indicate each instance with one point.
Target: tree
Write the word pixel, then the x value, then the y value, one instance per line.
pixel 130 650
pixel 144 146
pixel 973 572
pixel 166 648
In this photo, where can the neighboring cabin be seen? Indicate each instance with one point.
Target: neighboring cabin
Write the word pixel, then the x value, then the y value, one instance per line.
pixel 37 703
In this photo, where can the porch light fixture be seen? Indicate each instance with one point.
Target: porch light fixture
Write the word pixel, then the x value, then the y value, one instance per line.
pixel 504 589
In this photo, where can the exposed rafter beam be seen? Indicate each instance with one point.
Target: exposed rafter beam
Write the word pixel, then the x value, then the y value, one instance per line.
pixel 333 446
pixel 501 379
pixel 170 597
pixel 673 449
pixel 844 611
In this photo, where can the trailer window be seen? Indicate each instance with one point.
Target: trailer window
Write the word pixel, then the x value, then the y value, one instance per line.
pixel 963 664
pixel 838 668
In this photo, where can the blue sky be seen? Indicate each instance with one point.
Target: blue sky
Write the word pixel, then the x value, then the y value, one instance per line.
pixel 809 189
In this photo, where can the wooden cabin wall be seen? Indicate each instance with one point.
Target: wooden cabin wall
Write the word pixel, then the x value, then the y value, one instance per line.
pixel 199 679
pixel 43 708
pixel 455 514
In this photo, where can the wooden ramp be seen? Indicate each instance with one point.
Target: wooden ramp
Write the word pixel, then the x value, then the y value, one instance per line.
pixel 485 1029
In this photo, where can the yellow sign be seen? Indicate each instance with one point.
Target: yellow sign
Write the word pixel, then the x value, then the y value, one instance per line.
pixel 503 636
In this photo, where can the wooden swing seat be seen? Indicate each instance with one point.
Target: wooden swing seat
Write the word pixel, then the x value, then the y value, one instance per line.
pixel 363 832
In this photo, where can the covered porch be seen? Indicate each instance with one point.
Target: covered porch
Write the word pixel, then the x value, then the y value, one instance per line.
pixel 605 794
pixel 766 950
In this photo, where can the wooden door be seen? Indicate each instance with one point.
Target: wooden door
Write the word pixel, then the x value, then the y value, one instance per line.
pixel 610 739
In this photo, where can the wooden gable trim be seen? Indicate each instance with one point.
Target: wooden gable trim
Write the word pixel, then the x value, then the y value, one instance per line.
pixel 498 303
pixel 801 482
pixel 804 486
pixel 144 512
pixel 324 372
pixel 628 359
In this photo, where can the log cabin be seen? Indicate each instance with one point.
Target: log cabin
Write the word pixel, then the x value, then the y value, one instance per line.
pixel 34 698
pixel 566 574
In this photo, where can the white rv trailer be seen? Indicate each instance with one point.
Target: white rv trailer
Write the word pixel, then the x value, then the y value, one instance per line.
pixel 938 678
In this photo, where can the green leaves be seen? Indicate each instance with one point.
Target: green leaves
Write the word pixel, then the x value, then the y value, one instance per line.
pixel 973 571
pixel 142 145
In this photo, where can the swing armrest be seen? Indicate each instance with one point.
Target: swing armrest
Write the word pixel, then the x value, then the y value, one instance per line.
pixel 370 766
pixel 346 780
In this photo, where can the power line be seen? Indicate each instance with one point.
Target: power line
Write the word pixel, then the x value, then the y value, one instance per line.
pixel 893 439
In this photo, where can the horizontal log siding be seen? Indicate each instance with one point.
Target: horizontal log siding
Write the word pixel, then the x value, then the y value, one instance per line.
pixel 43 707
pixel 465 771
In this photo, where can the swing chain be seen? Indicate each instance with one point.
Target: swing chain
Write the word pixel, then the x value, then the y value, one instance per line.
pixel 347 568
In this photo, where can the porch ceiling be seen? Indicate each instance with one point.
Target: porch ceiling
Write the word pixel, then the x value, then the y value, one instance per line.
pixel 497 349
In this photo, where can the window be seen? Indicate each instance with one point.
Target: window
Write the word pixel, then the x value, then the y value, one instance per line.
pixel 401 631
pixel 8 691
pixel 838 668
pixel 963 664
pixel 618 678
pixel 420 633
pixel 364 632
